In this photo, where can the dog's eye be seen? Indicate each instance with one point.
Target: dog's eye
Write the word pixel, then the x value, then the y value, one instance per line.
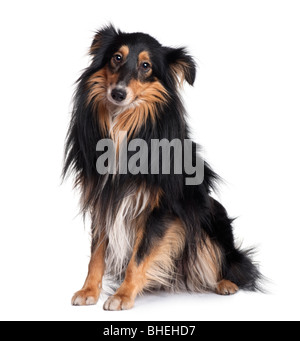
pixel 146 66
pixel 117 58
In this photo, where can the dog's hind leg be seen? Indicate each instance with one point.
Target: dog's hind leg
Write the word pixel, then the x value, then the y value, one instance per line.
pixel 225 287
pixel 238 269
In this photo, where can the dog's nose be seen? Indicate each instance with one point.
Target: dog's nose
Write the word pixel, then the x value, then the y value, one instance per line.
pixel 118 94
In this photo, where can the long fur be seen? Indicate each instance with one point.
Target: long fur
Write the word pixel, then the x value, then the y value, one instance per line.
pixel 199 248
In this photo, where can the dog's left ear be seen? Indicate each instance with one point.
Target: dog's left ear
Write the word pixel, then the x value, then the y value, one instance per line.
pixel 182 65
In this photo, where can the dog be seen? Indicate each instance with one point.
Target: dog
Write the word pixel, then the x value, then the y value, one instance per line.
pixel 148 231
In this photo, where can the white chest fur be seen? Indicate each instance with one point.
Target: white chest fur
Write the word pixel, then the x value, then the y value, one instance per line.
pixel 121 232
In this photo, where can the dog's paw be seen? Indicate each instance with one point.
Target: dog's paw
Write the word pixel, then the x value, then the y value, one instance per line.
pixel 118 302
pixel 226 287
pixel 86 297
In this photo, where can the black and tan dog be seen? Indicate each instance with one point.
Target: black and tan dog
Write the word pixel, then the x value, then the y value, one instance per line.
pixel 149 231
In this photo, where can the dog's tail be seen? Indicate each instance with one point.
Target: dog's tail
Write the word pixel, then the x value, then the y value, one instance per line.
pixel 237 264
pixel 239 268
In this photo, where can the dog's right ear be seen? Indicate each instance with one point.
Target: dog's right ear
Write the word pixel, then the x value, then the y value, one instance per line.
pixel 103 38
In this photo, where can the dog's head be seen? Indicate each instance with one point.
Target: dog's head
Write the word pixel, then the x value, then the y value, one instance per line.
pixel 131 77
pixel 130 69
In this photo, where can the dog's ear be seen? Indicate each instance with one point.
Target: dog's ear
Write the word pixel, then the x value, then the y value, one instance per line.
pixel 102 39
pixel 182 65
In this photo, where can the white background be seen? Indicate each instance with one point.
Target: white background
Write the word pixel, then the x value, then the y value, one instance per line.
pixel 244 109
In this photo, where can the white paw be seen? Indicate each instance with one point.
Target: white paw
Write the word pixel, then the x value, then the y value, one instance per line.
pixel 85 297
pixel 116 302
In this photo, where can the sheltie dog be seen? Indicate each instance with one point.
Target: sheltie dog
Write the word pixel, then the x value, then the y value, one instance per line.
pixel 150 230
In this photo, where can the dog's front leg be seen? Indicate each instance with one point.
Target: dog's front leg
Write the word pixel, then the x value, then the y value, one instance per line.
pixel 134 282
pixel 152 260
pixel 90 292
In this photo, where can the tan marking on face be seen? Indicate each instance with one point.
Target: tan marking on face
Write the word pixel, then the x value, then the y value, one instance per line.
pixel 147 96
pixel 124 52
pixel 98 84
pixel 145 58
pixel 150 92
